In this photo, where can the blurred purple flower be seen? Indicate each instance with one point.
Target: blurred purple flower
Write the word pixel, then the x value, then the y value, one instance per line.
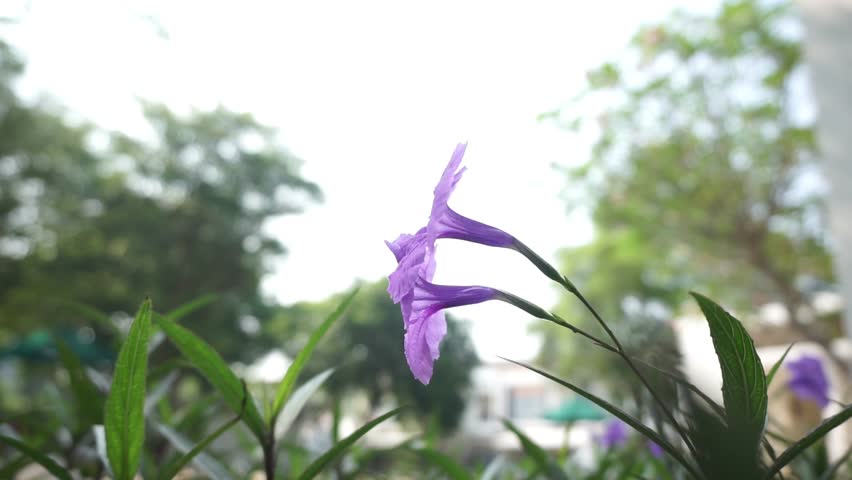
pixel 808 380
pixel 614 435
pixel 656 450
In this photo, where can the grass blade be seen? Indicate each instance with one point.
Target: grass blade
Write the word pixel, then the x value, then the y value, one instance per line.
pixel 808 440
pixel 204 462
pixel 189 307
pixel 37 456
pixel 297 402
pixel 172 470
pixel 340 447
pixel 450 468
pixel 99 433
pixel 211 365
pixel 94 315
pixel 124 418
pixel 777 365
pixel 542 459
pixel 620 414
pixel 88 400
pixel 289 380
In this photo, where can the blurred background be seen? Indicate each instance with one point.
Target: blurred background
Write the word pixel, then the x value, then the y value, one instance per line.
pixel 260 152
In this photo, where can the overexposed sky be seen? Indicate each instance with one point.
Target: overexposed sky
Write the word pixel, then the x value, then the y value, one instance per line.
pixel 373 95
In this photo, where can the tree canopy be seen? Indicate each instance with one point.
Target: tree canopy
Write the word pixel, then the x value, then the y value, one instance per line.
pixel 704 175
pixel 98 218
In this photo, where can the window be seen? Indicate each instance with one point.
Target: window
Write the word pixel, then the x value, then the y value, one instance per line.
pixel 526 402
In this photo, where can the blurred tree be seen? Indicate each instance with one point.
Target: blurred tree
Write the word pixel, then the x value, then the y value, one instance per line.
pixel 367 349
pixel 703 174
pixel 103 219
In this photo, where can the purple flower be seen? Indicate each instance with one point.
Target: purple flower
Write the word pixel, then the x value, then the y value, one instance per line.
pixel 444 222
pixel 425 324
pixel 808 380
pixel 614 435
pixel 414 252
pixel 656 450
pixel 408 285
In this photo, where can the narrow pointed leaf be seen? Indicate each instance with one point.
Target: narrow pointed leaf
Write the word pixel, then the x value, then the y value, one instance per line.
pixel 450 468
pixel 297 401
pixel 211 365
pixel 189 307
pixel 494 467
pixel 542 459
pixel 204 462
pixel 342 446
pixel 124 419
pixel 685 383
pixel 774 369
pixel 743 377
pixel 816 434
pixel 172 470
pixel 289 380
pixel 620 414
pixel 88 400
pixel 158 392
pixel 100 447
pixel 51 466
pixel 95 315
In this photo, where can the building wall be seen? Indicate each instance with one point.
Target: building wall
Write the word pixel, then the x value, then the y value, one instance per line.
pixel 828 54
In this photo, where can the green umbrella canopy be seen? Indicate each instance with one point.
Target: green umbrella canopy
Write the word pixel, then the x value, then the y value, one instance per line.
pixel 40 346
pixel 576 408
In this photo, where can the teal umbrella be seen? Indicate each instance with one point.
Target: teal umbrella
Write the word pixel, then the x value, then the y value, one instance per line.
pixel 574 409
pixel 40 346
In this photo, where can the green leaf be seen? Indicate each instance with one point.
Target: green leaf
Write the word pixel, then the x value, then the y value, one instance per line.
pixel 172 470
pixel 93 314
pixel 124 418
pixel 777 365
pixel 450 468
pixel 88 400
pixel 99 432
pixel 216 371
pixel 207 464
pixel 189 307
pixel 289 380
pixel 816 434
pixel 10 468
pixel 743 377
pixel 620 414
pixel 37 456
pixel 297 401
pixel 542 459
pixel 340 447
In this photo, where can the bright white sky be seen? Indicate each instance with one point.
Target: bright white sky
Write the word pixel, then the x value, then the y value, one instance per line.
pixel 373 95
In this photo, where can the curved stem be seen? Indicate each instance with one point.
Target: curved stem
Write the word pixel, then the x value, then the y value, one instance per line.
pixel 539 312
pixel 547 269
pixel 623 354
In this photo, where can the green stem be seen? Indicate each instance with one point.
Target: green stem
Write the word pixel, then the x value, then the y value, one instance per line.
pixel 269 457
pixel 623 354
pixel 548 270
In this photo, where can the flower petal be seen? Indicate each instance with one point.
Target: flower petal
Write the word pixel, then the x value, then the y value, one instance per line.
pixel 451 176
pixel 422 342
